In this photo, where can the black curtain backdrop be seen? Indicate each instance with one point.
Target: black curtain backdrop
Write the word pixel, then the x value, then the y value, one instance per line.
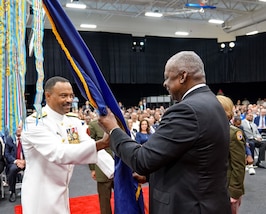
pixel 239 72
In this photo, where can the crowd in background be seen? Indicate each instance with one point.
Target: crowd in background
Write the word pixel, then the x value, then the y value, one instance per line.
pixel 242 107
pixel 142 120
pixel 154 114
pixel 134 114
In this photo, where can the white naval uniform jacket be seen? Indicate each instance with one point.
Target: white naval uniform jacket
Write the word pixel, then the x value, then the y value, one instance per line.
pixel 50 160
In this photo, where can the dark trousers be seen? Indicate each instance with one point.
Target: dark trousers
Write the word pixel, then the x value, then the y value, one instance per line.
pixel 12 171
pixel 105 191
pixel 257 144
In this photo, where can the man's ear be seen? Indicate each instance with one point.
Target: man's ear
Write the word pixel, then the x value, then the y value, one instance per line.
pixel 47 94
pixel 183 77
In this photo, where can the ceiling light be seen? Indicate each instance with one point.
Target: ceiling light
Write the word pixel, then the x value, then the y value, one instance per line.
pixel 262 0
pixel 216 21
pixel 222 45
pixel 76 5
pixel 88 26
pixel 154 14
pixel 232 44
pixel 252 32
pixel 181 33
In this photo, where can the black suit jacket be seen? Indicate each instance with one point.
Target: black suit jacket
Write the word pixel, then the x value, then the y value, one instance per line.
pixel 2 159
pixel 186 157
pixel 11 150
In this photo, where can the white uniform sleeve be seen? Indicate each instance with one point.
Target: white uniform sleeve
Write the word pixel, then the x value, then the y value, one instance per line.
pixel 105 161
pixel 45 137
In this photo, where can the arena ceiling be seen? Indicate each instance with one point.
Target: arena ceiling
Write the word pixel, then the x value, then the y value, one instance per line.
pixel 128 16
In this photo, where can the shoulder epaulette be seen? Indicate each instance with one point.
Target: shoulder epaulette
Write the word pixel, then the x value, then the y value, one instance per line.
pixel 44 114
pixel 72 114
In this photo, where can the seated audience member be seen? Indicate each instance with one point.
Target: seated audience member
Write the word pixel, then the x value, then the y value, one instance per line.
pixel 144 132
pixel 249 160
pixel 130 127
pixel 15 161
pixel 2 159
pixel 157 117
pixel 254 139
pixel 260 121
pixel 245 102
pixel 86 108
pixel 135 121
pixel 151 120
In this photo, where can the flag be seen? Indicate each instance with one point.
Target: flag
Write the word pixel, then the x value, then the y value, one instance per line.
pixel 92 85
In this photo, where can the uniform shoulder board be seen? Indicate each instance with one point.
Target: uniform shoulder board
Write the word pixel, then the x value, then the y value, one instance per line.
pixel 71 114
pixel 44 114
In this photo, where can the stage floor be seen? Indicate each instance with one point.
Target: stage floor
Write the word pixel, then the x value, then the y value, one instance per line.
pixel 82 184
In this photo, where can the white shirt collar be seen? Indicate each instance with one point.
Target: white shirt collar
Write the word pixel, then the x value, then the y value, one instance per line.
pixel 193 88
pixel 51 113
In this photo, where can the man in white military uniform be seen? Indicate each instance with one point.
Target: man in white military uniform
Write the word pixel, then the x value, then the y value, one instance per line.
pixel 51 147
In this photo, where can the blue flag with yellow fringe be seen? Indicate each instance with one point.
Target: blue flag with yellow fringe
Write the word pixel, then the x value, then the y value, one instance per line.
pixel 93 87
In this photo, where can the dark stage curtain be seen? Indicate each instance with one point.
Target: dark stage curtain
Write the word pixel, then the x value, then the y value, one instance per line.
pixel 121 65
pixel 250 63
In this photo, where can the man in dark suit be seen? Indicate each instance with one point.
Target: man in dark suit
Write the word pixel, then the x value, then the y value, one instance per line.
pixel 15 161
pixel 260 121
pixel 254 139
pixel 2 159
pixel 186 157
pixel 2 162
